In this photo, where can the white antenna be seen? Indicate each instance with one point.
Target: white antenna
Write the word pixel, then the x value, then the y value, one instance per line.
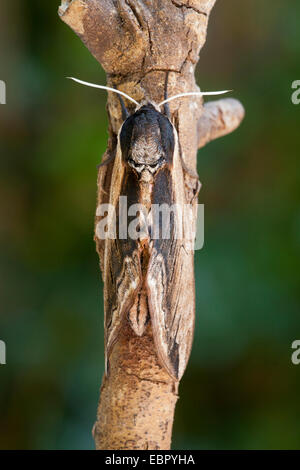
pixel 93 85
pixel 194 93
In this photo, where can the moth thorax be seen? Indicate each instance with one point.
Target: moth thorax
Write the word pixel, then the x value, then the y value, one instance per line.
pixel 146 153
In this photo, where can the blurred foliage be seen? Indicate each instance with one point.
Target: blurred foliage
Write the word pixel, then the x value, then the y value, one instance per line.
pixel 240 389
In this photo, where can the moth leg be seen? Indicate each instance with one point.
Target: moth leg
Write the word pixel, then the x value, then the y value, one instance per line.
pixel 193 174
pixel 125 112
pixel 107 161
pixel 193 190
pixel 103 191
pixel 196 191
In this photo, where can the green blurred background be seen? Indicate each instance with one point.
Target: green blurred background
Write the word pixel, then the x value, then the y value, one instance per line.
pixel 240 390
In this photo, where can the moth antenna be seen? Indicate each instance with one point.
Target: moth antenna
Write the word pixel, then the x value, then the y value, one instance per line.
pixel 193 93
pixel 94 85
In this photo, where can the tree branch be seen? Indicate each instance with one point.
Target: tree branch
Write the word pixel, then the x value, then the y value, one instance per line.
pixel 137 42
pixel 218 119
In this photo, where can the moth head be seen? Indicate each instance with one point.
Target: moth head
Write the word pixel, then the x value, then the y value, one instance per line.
pixel 147 140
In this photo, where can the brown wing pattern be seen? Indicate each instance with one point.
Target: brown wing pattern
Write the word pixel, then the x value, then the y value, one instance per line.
pixel 122 266
pixel 170 280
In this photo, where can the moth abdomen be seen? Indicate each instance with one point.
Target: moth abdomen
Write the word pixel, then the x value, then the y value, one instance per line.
pixel 138 315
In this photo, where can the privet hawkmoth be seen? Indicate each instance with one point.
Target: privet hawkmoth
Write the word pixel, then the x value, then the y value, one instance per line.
pixel 149 277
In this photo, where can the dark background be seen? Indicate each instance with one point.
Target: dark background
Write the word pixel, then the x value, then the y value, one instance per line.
pixel 240 390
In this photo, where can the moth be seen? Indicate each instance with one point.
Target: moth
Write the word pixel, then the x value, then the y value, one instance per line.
pixel 150 277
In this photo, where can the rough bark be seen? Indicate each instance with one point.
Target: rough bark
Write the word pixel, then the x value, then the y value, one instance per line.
pixel 137 42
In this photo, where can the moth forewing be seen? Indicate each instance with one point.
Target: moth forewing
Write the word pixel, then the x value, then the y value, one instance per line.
pixel 122 267
pixel 170 280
